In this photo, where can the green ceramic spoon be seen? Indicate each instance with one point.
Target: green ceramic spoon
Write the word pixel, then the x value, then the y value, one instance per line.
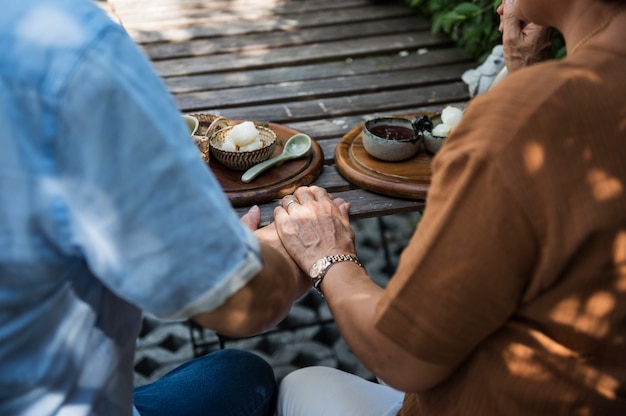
pixel 297 146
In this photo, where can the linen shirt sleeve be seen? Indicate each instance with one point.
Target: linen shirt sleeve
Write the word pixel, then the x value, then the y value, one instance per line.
pixel 133 197
pixel 466 267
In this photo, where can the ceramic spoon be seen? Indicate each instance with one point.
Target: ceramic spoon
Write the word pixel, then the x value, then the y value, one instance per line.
pixel 297 146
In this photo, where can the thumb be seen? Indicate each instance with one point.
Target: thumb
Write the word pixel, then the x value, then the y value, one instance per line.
pixel 252 218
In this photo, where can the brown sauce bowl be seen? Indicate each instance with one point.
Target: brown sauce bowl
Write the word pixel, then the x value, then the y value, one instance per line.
pixel 391 139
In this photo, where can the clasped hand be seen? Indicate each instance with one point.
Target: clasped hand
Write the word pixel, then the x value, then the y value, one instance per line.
pixel 308 225
pixel 312 224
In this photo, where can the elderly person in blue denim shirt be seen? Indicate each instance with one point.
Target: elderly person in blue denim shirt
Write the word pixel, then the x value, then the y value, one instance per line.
pixel 107 210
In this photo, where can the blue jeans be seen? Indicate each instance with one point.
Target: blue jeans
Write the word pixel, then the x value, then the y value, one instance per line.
pixel 223 383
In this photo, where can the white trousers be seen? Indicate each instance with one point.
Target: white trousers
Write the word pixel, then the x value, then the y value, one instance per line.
pixel 326 391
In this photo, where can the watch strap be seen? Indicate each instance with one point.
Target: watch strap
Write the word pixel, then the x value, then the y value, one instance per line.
pixel 330 260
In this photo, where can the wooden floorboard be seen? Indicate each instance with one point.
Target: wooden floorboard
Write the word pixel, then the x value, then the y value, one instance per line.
pixel 247 23
pixel 275 7
pixel 381 65
pixel 317 89
pixel 362 103
pixel 298 55
pixel 230 44
pixel 253 19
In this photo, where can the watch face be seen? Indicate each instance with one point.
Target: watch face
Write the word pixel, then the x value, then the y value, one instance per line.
pixel 317 268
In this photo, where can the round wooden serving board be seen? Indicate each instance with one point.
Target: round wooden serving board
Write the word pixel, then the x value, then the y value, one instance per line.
pixel 408 179
pixel 275 182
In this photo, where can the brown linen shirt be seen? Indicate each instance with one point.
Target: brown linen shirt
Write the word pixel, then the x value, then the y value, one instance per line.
pixel 517 271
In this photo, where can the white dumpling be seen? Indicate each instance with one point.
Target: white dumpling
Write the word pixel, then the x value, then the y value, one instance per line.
pixel 441 130
pixel 243 133
pixel 255 145
pixel 228 146
pixel 451 116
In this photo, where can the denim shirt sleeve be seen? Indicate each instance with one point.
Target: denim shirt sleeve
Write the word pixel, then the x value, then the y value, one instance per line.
pixel 130 192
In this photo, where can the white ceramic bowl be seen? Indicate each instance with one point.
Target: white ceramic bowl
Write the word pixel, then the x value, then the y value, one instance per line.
pixel 433 143
pixel 390 139
pixel 192 123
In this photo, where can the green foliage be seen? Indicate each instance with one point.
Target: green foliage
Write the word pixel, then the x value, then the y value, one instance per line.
pixel 473 25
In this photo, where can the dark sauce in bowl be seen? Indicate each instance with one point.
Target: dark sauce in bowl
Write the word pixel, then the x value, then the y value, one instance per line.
pixel 393 132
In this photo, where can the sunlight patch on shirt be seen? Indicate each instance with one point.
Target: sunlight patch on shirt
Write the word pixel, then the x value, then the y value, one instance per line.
pixel 92 225
pixel 534 157
pixel 603 185
pixel 50 26
pixel 521 363
pixel 590 315
pixel 619 257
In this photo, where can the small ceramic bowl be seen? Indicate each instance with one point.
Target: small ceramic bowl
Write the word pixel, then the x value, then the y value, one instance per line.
pixel 192 123
pixel 433 143
pixel 242 160
pixel 390 139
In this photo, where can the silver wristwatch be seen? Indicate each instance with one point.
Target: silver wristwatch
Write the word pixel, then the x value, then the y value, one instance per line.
pixel 320 267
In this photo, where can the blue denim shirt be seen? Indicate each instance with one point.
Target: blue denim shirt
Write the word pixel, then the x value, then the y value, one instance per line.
pixel 106 209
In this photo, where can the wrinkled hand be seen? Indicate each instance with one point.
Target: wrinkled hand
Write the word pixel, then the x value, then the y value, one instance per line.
pixel 314 226
pixel 269 236
pixel 524 43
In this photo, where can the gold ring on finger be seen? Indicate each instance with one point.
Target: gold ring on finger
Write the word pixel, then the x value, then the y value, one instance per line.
pixel 291 201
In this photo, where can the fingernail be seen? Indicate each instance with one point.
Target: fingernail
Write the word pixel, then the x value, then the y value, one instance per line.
pixel 509 2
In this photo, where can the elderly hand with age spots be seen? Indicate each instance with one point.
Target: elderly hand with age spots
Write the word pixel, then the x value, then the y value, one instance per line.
pixel 312 224
pixel 524 43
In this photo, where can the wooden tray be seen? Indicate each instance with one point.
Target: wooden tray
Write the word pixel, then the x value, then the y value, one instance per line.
pixel 274 183
pixel 408 179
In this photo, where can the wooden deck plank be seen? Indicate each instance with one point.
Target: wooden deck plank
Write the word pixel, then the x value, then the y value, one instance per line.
pixel 364 203
pixel 322 88
pixel 387 101
pixel 230 44
pixel 132 7
pixel 293 55
pixel 388 64
pixel 245 24
pixel 253 16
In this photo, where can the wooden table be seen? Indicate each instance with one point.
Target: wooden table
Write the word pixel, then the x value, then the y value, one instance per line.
pixel 321 67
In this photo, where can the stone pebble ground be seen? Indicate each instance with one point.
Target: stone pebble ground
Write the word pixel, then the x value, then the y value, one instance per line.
pixel 306 337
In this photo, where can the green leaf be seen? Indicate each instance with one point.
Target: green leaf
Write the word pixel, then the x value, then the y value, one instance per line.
pixel 452 17
pixel 467 9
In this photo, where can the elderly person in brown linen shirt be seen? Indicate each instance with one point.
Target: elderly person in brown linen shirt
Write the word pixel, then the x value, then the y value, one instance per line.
pixel 510 299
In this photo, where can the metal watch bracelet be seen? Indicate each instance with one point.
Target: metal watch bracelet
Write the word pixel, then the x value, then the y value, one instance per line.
pixel 320 268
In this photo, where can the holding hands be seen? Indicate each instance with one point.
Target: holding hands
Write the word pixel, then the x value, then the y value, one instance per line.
pixel 312 224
